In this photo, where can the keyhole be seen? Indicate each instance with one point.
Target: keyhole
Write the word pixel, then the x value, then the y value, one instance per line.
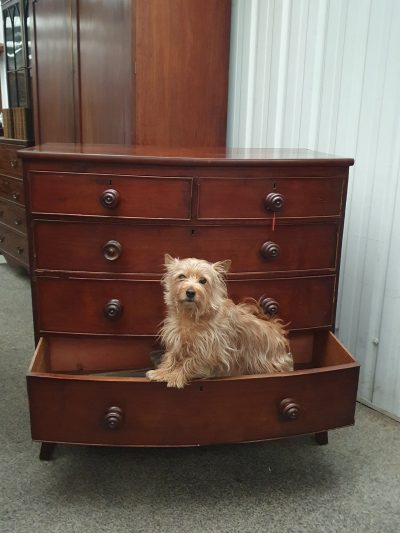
pixel 109 182
pixel 274 186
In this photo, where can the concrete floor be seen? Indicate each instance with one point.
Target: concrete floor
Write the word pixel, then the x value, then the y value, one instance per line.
pixel 351 485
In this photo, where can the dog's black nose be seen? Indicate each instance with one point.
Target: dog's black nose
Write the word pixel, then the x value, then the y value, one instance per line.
pixel 190 293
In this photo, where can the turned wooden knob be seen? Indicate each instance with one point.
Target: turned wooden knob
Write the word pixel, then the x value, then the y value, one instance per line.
pixel 20 250
pixel 270 250
pixel 112 250
pixel 289 409
pixel 113 418
pixel 2 238
pixel 113 309
pixel 109 198
pixel 18 221
pixel 274 201
pixel 15 196
pixel 13 163
pixel 269 305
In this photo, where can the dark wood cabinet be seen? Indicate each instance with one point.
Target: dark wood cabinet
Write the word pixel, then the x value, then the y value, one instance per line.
pixel 101 219
pixel 13 238
pixel 150 72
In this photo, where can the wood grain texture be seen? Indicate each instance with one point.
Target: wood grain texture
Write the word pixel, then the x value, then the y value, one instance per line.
pixel 72 246
pixel 105 57
pixel 182 58
pixel 72 409
pixel 54 71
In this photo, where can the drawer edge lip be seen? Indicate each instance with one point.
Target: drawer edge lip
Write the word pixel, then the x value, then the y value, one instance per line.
pixel 246 378
pixel 13 229
pixel 113 445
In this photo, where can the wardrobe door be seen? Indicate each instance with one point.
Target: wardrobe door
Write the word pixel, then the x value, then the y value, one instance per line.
pixel 182 57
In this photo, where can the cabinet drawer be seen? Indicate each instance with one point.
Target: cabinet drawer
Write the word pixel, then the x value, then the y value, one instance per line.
pixel 128 248
pixel 251 198
pixel 108 195
pixel 14 244
pixel 12 215
pixel 77 408
pixel 9 162
pixel 12 189
pixel 83 305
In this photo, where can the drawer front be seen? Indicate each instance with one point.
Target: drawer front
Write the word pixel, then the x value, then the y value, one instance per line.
pixel 12 215
pixel 10 163
pixel 238 198
pixel 12 189
pixel 129 248
pixel 14 244
pixel 103 195
pixel 78 409
pixel 81 306
pixel 301 302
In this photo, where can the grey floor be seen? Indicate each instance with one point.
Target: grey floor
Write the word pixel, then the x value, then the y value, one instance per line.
pixel 353 484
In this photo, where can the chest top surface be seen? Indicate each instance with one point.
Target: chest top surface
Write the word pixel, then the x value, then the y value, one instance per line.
pixel 185 156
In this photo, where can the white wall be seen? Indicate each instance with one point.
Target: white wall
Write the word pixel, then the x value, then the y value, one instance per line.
pixel 325 75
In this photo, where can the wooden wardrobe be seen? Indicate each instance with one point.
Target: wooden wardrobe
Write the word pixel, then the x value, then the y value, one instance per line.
pixel 145 72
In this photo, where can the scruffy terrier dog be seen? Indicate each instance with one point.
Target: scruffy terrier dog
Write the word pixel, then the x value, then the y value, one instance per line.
pixel 206 335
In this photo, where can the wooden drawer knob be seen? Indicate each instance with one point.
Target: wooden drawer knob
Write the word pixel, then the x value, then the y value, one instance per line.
pixel 113 309
pixel 269 305
pixel 2 238
pixel 112 250
pixel 289 409
pixel 113 418
pixel 109 198
pixel 270 250
pixel 20 250
pixel 15 196
pixel 13 163
pixel 18 221
pixel 274 201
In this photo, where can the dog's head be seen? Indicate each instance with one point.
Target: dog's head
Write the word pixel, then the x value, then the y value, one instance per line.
pixel 194 286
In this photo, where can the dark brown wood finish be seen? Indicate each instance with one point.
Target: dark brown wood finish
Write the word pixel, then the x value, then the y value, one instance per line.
pixel 73 408
pixel 115 70
pixel 101 220
pixel 182 58
pixel 13 238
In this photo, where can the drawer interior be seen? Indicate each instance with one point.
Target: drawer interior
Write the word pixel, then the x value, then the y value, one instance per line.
pixel 132 356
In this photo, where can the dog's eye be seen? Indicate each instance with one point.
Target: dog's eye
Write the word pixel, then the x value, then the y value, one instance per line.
pixel 203 281
pixel 181 276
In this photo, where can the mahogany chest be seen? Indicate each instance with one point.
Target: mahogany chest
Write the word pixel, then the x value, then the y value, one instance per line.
pixel 13 239
pixel 101 218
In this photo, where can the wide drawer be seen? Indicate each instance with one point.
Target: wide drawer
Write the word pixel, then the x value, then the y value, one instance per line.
pixel 259 198
pixel 12 215
pixel 12 189
pixel 14 244
pixel 99 247
pixel 108 195
pixel 137 308
pixel 132 411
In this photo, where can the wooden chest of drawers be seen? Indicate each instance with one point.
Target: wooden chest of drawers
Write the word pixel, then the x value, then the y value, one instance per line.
pixel 13 239
pixel 101 219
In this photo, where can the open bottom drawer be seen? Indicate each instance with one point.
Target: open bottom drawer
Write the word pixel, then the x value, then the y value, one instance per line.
pixel 132 411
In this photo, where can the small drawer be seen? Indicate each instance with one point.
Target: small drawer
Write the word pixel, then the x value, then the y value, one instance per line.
pixel 12 189
pixel 108 195
pixel 137 307
pixel 260 198
pixel 120 248
pixel 10 163
pixel 12 215
pixel 132 411
pixel 14 244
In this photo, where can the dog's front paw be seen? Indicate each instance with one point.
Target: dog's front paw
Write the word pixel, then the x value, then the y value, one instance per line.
pixel 176 381
pixel 155 375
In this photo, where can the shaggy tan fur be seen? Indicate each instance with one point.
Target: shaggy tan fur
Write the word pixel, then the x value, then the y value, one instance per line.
pixel 206 335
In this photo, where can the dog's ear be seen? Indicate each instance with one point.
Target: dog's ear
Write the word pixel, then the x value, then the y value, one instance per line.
pixel 222 267
pixel 168 260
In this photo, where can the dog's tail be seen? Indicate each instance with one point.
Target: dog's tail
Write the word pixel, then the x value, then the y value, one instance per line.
pixel 254 307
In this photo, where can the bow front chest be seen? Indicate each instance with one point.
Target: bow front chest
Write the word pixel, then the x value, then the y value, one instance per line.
pixel 101 218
